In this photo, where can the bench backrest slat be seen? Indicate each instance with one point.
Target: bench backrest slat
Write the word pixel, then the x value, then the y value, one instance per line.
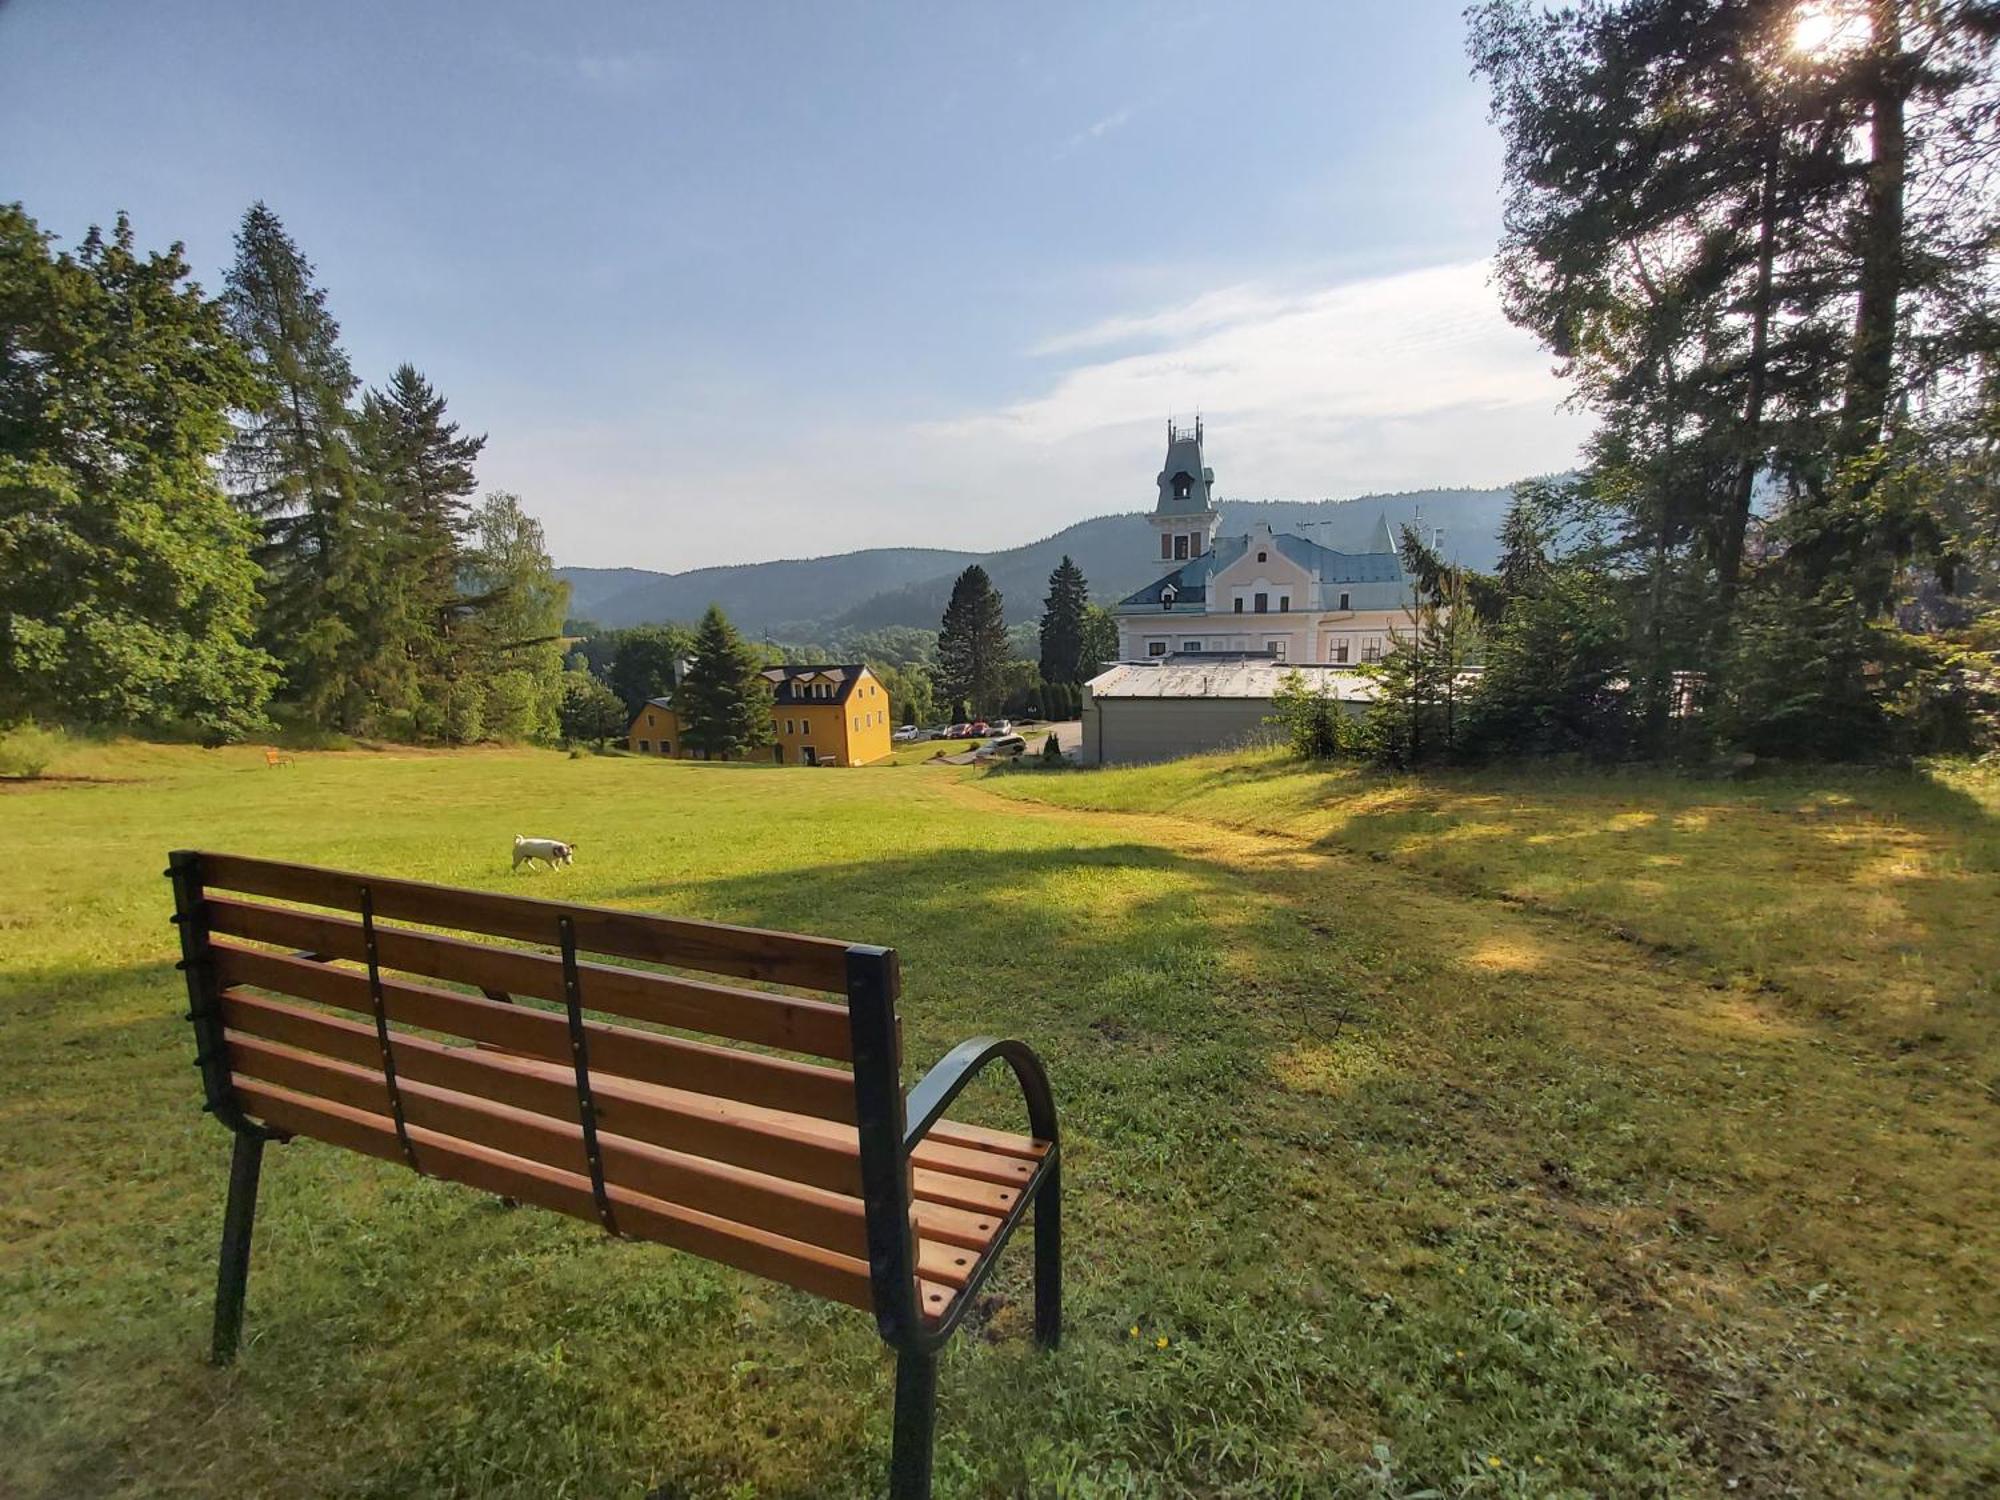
pixel 671 1118
pixel 616 1051
pixel 815 1027
pixel 791 958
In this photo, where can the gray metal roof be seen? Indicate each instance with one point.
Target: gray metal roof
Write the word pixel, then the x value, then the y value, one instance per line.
pixel 1191 579
pixel 1226 679
pixel 1184 457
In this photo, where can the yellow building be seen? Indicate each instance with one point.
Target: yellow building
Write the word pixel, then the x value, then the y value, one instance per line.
pixel 820 716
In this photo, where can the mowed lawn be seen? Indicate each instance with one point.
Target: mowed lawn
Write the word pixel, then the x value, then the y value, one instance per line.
pixel 1494 1134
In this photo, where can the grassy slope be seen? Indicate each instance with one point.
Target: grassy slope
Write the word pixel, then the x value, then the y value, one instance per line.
pixel 1543 1210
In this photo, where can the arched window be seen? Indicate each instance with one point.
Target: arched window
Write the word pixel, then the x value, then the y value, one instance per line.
pixel 1183 485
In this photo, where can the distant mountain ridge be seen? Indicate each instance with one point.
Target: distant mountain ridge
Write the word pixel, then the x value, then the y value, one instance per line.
pixel 812 598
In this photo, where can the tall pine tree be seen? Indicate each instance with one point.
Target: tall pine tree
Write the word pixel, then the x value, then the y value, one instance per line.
pixel 417 473
pixel 725 701
pixel 1064 624
pixel 292 467
pixel 972 643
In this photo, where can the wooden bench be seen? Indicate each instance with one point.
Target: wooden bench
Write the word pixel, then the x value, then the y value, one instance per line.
pixel 275 758
pixel 821 1174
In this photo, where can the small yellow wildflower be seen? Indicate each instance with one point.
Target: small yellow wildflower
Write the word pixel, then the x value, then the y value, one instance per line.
pixel 1538 1458
pixel 1160 1342
pixel 1135 1330
pixel 1461 1354
pixel 1494 1463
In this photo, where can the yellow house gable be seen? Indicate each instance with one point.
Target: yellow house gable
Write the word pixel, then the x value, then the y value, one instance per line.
pixel 827 716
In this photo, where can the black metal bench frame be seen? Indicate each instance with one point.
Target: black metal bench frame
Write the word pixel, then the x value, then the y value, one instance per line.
pixel 890 1128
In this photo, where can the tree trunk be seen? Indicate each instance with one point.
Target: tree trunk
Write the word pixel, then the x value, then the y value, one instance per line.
pixel 1736 514
pixel 1872 358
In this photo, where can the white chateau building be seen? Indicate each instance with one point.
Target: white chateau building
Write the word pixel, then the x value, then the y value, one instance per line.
pixel 1265 593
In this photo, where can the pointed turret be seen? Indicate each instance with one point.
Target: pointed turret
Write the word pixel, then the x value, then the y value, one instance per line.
pixel 1185 515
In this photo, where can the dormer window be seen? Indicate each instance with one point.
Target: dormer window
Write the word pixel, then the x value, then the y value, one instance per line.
pixel 1263 557
pixel 1183 485
pixel 1168 595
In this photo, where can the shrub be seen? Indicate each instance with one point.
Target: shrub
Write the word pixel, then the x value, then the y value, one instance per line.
pixel 28 750
pixel 1310 718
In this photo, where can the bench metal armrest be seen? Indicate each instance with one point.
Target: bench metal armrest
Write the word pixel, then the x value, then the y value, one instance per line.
pixel 958 1067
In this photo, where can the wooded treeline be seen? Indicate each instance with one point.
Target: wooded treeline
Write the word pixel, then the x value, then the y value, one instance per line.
pixel 203 529
pixel 972 666
pixel 1761 239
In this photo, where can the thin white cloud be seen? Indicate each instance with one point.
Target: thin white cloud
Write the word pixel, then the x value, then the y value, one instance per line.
pixel 1392 383
pixel 1231 304
pixel 1117 120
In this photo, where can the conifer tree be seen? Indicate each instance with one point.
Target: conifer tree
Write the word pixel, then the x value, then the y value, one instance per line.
pixel 725 700
pixel 419 475
pixel 1063 624
pixel 972 643
pixel 292 467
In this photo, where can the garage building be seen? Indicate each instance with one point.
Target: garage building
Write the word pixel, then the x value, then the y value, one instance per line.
pixel 1150 711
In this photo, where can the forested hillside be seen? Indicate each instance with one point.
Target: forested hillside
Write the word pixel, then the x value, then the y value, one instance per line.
pixel 909 585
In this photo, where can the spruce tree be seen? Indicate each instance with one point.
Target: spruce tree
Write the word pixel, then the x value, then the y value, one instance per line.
pixel 292 467
pixel 725 700
pixel 1062 637
pixel 972 643
pixel 418 474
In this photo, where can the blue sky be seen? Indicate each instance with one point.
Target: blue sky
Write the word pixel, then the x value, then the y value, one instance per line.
pixel 729 282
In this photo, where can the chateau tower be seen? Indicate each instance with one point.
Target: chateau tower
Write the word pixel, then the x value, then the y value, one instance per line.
pixel 1185 517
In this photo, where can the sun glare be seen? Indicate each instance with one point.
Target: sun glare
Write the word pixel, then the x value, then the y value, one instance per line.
pixel 1823 28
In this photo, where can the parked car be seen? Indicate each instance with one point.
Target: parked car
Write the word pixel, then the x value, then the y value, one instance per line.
pixel 907 733
pixel 978 727
pixel 1000 726
pixel 959 732
pixel 1006 747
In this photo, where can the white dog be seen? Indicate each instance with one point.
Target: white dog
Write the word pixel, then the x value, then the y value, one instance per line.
pixel 552 852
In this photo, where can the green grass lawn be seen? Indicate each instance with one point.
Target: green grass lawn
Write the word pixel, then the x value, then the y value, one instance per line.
pixel 1488 1135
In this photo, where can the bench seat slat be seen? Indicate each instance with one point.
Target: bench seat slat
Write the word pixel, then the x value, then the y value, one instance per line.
pixel 816 1027
pixel 716 947
pixel 841 1278
pixel 671 1118
pixel 833 1221
pixel 698 1067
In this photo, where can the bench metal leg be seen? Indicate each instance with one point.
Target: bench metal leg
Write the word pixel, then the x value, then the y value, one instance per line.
pixel 916 1425
pixel 233 1274
pixel 1048 1258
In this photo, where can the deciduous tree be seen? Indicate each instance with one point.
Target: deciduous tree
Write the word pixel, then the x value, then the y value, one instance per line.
pixel 127 591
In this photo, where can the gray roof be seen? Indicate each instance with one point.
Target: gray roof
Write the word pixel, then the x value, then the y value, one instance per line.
pixel 1190 581
pixel 1184 457
pixel 1226 679
pixel 787 681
